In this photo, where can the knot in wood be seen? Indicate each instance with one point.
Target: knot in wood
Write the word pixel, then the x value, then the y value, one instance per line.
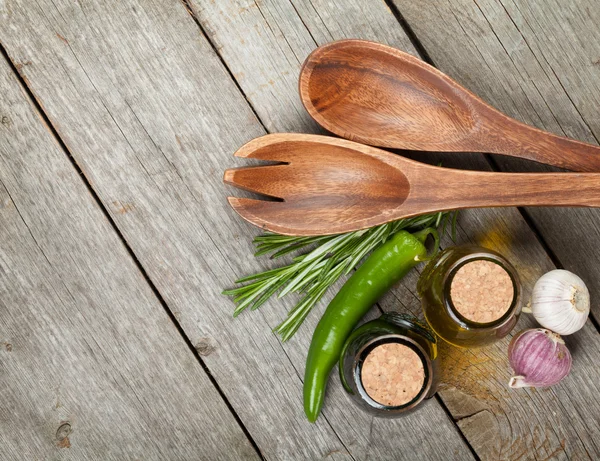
pixel 63 431
pixel 205 346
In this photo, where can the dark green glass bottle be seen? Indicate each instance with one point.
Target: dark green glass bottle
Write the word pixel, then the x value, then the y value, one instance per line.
pixel 390 328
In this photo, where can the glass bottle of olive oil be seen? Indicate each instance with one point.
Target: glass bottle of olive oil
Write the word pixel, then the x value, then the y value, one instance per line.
pixel 470 296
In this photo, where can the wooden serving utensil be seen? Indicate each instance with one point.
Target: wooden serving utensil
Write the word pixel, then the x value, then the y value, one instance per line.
pixel 378 95
pixel 326 185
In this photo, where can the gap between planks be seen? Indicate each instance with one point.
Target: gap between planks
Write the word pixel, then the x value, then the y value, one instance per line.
pixel 33 100
pixel 190 11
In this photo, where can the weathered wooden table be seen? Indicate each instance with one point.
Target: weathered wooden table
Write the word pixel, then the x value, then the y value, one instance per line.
pixel 117 120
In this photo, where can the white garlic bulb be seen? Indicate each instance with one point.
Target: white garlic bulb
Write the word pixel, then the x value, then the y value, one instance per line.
pixel 560 302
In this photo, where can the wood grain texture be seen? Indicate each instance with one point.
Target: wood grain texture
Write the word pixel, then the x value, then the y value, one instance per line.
pixel 378 95
pixel 264 44
pixel 153 119
pixel 91 366
pixel 56 89
pixel 530 424
pixel 326 185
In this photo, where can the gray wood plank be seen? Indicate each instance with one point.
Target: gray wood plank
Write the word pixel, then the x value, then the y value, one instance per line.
pixel 152 118
pixel 91 366
pixel 250 37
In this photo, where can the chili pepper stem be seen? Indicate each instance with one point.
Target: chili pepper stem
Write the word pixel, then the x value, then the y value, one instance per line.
pixel 422 237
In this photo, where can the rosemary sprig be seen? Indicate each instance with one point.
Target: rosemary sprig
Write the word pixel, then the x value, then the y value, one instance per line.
pixel 313 272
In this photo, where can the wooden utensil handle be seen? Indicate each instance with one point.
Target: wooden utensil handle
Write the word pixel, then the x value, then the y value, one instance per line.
pixel 519 140
pixel 475 189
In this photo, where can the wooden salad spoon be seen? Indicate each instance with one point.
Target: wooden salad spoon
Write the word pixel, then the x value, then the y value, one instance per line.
pixel 324 185
pixel 378 95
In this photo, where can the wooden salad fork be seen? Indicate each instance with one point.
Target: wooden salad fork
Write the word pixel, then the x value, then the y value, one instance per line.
pixel 378 95
pixel 324 185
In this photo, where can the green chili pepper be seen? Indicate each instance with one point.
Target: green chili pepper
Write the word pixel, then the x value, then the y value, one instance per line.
pixel 380 271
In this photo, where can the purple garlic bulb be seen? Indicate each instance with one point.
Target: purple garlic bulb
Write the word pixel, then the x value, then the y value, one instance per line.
pixel 539 358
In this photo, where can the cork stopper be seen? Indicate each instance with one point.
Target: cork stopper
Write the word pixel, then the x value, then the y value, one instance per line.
pixel 393 374
pixel 482 291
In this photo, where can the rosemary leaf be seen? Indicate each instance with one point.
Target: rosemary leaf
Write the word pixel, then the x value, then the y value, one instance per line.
pixel 304 273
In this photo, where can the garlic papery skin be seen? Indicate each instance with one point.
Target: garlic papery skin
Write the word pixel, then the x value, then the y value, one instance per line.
pixel 539 358
pixel 560 301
